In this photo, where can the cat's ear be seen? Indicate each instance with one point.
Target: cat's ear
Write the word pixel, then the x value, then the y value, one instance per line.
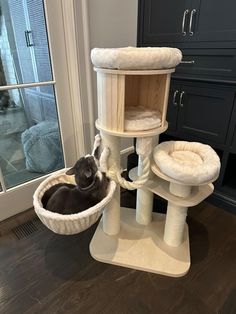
pixel 71 171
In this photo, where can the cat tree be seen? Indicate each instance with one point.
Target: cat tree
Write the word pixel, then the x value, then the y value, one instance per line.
pixel 133 88
pixel 139 78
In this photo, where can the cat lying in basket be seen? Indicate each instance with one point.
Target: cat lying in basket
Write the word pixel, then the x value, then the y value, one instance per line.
pixel 90 189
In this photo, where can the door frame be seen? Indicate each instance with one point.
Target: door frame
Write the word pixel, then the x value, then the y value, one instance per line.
pixel 66 59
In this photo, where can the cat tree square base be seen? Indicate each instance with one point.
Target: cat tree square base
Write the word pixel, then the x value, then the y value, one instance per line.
pixel 141 247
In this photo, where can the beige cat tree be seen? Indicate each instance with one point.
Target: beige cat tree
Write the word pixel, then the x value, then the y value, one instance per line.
pixel 130 79
pixel 133 88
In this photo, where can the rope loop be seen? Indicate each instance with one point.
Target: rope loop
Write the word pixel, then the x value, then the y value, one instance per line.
pixel 114 174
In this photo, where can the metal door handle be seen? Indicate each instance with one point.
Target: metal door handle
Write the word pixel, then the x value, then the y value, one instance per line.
pixel 181 99
pixel 174 98
pixel 191 21
pixel 28 38
pixel 183 22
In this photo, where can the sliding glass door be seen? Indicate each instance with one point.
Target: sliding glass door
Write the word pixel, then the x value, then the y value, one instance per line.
pixel 35 138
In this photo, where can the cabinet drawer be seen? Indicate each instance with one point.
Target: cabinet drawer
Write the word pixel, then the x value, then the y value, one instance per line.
pixel 210 64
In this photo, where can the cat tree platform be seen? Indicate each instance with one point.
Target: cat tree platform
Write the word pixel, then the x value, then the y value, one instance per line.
pixel 141 247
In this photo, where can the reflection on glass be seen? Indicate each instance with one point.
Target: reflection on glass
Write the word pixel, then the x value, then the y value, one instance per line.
pixel 30 144
pixel 24 55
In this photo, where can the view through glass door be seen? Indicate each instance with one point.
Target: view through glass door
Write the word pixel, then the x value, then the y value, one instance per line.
pixel 30 140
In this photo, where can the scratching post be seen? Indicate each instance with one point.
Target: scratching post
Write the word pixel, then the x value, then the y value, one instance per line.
pixel 111 214
pixel 144 201
pixel 176 216
pixel 175 223
pixel 180 190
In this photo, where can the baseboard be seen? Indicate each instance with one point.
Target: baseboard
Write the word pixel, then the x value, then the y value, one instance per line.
pixel 220 200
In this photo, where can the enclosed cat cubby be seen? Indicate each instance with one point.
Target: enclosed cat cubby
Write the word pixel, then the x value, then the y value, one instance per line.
pixel 132 102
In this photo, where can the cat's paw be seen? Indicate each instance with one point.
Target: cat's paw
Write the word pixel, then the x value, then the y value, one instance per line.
pixel 97 141
pixel 104 159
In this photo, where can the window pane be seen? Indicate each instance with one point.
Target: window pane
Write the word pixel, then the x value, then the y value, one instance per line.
pixel 30 143
pixel 24 50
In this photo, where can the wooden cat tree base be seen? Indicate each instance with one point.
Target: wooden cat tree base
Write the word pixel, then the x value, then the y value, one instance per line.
pixel 141 247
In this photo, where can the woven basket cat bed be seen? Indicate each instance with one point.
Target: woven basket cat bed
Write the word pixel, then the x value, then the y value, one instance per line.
pixel 133 58
pixel 68 224
pixel 188 163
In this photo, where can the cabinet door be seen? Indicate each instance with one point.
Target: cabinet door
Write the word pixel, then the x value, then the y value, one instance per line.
pixel 172 110
pixel 214 20
pixel 204 112
pixel 163 21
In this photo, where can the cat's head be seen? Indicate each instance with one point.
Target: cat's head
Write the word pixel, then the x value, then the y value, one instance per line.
pixel 85 171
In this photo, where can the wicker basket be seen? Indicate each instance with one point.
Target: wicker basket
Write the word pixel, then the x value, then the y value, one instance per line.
pixel 68 224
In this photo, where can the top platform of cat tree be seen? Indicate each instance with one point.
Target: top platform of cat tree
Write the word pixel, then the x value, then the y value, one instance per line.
pixel 133 89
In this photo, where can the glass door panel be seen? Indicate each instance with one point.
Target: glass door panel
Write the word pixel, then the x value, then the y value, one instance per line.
pixel 23 43
pixel 30 143
pixel 33 143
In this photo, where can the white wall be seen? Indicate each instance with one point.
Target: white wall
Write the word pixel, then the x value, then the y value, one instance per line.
pixel 112 23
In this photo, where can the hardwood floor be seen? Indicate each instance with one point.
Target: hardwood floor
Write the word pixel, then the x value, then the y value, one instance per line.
pixel 48 273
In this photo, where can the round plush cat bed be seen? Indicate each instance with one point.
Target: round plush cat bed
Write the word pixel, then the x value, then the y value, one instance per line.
pixel 68 224
pixel 133 58
pixel 188 163
pixel 139 118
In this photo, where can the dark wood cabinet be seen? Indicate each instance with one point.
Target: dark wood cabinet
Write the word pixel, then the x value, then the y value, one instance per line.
pixel 209 64
pixel 213 21
pixel 202 102
pixel 200 110
pixel 204 112
pixel 188 22
pixel 165 20
pixel 173 106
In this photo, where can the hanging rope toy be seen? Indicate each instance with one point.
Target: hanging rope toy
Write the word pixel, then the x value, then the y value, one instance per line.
pixel 143 149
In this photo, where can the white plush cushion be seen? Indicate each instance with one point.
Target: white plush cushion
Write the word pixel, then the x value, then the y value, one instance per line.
pixel 187 162
pixel 131 58
pixel 140 119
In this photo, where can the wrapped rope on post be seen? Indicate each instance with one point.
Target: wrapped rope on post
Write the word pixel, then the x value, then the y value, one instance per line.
pixel 143 151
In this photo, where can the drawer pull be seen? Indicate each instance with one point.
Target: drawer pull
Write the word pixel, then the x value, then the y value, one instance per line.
pixel 188 62
pixel 183 22
pixel 191 22
pixel 181 99
pixel 174 98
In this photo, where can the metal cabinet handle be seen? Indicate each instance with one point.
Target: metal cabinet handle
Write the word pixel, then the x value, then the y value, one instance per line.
pixel 188 62
pixel 181 99
pixel 183 22
pixel 174 98
pixel 191 21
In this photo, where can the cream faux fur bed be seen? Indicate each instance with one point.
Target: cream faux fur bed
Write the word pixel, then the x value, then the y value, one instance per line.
pixel 140 119
pixel 68 224
pixel 132 58
pixel 189 163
